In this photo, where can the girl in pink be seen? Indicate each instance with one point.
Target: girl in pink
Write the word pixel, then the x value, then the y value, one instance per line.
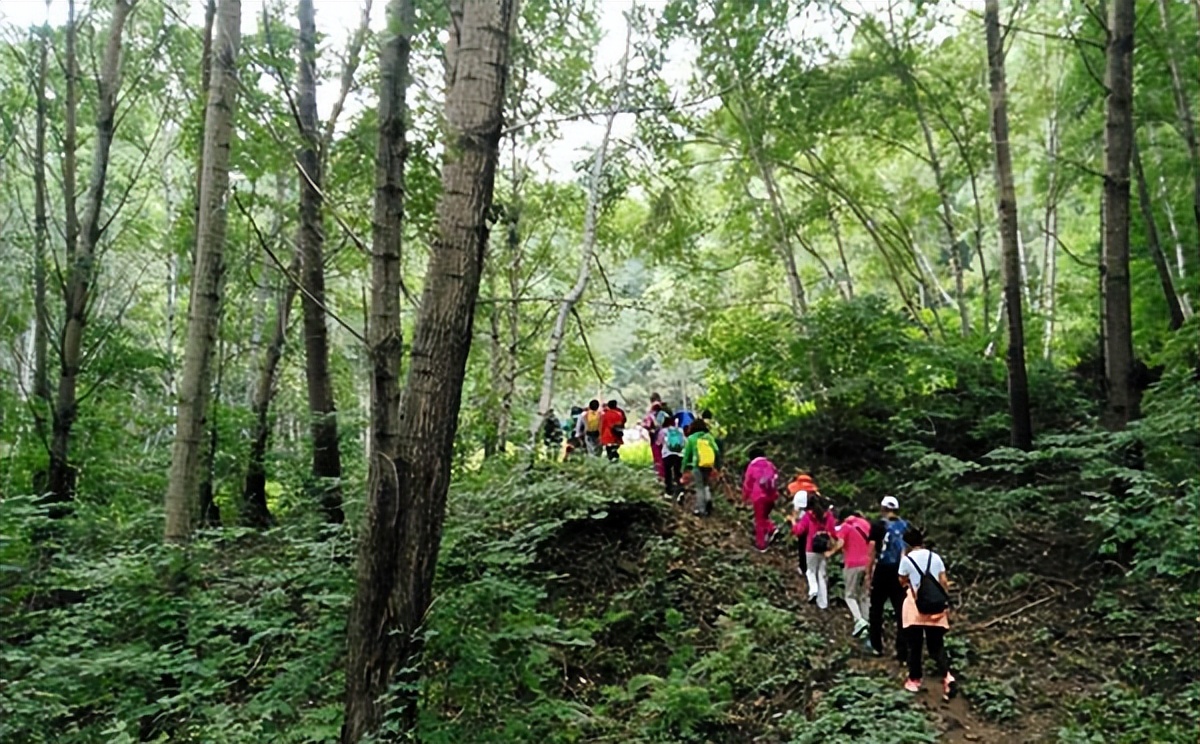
pixel 758 489
pixel 817 521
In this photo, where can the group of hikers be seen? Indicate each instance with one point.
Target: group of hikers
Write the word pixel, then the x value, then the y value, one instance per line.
pixel 884 561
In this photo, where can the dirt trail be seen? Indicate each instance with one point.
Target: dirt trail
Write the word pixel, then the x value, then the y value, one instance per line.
pixel 955 718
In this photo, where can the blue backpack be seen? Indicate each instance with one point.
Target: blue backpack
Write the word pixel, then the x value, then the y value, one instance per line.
pixel 892 549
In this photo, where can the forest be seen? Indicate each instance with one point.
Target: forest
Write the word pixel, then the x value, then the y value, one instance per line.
pixel 294 289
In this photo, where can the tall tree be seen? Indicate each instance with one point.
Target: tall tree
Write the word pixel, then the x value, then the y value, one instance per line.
pixel 81 258
pixel 408 483
pixel 327 458
pixel 207 273
pixel 1018 384
pixel 1123 396
pixel 373 656
pixel 41 328
pixel 1174 308
pixel 1183 109
pixel 588 248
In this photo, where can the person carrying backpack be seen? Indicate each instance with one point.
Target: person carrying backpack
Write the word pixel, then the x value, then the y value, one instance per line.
pixel 816 527
pixel 672 442
pixel 718 433
pixel 852 541
pixel 652 422
pixel 758 490
pixel 700 456
pixel 612 430
pixel 883 575
pixel 926 611
pixel 799 488
pixel 588 428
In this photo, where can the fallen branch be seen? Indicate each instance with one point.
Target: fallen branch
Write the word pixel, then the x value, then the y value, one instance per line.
pixel 1007 615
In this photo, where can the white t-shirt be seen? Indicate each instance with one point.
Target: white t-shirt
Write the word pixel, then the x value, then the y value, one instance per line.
pixel 919 558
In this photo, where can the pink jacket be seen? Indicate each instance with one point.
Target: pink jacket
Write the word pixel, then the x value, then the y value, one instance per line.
pixel 759 482
pixel 812 525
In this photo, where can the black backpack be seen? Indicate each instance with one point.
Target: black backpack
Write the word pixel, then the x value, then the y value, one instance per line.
pixel 931 595
pixel 821 542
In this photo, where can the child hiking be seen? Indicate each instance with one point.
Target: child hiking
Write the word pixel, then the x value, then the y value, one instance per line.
pixel 799 489
pixel 883 575
pixel 700 457
pixel 816 528
pixel 758 490
pixel 671 443
pixel 852 541
pixel 653 422
pixel 926 611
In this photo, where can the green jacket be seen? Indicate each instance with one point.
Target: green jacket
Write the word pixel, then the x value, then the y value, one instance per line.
pixel 691 455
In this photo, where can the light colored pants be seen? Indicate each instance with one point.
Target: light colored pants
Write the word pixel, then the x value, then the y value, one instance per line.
pixel 817 585
pixel 857 598
pixel 703 494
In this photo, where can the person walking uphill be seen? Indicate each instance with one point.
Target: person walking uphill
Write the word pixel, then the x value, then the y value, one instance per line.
pixel 612 430
pixel 653 422
pixel 587 429
pixel 700 456
pixel 852 540
pixel 926 611
pixel 672 442
pixel 758 489
pixel 816 527
pixel 883 575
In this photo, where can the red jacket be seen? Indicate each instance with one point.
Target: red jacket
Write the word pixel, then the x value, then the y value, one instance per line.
pixel 608 419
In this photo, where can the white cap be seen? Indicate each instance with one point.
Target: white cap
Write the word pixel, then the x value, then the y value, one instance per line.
pixel 890 502
pixel 800 501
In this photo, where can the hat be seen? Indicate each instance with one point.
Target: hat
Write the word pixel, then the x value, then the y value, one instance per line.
pixel 890 502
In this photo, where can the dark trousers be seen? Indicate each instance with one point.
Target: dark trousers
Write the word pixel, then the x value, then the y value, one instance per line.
pixel 933 637
pixel 885 587
pixel 672 472
pixel 801 554
pixel 613 451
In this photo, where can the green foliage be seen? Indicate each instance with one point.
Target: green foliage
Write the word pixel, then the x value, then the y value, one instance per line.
pixel 862 709
pixel 1121 715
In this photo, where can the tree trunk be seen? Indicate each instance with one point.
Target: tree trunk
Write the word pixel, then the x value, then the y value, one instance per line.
pixel 1018 385
pixel 255 512
pixel 1183 112
pixel 373 651
pixel 41 328
pixel 205 300
pixel 327 458
pixel 1123 396
pixel 81 261
pixel 1050 232
pixel 408 484
pixel 1164 196
pixel 512 324
pixel 550 366
pixel 848 280
pixel 1174 310
pixel 210 513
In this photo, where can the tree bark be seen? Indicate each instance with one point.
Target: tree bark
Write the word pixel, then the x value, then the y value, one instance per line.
pixel 1123 396
pixel 1018 385
pixel 1174 309
pixel 848 281
pixel 373 651
pixel 41 328
pixel 207 273
pixel 1183 112
pixel 1164 196
pixel 326 458
pixel 554 348
pixel 81 260
pixel 408 484
pixel 1047 295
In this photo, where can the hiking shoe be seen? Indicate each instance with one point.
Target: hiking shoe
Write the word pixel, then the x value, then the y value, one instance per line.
pixel 949 686
pixel 913 685
pixel 860 627
pixel 871 649
pixel 761 550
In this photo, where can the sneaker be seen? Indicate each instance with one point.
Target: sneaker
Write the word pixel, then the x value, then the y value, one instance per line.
pixel 871 649
pixel 860 627
pixel 800 572
pixel 812 599
pixel 913 685
pixel 774 534
pixel 949 686
pixel 697 513
pixel 761 550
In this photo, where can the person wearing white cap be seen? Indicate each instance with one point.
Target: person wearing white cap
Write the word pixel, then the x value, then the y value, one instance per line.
pixel 883 576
